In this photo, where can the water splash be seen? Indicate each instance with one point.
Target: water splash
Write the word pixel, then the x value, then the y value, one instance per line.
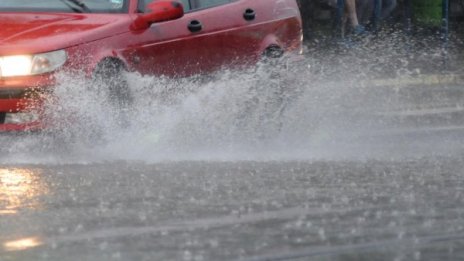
pixel 262 113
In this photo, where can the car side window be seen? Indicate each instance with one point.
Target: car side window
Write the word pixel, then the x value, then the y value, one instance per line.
pixel 200 4
pixel 142 4
pixel 186 4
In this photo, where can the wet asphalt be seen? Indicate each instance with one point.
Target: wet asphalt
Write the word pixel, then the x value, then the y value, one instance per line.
pixel 394 194
pixel 274 210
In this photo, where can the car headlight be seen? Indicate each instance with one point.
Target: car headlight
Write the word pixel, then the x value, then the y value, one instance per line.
pixel 20 118
pixel 24 65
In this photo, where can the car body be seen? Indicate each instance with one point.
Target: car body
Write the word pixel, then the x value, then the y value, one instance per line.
pixel 40 38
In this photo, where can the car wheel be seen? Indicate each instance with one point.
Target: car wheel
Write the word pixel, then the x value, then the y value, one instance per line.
pixel 111 75
pixel 277 89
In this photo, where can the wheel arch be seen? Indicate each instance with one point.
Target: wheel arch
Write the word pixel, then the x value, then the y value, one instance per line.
pixel 271 47
pixel 273 51
pixel 108 61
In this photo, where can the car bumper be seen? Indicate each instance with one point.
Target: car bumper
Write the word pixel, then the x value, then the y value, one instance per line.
pixel 19 95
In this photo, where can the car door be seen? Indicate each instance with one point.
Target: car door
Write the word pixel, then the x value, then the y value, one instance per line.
pixel 195 43
pixel 244 29
pixel 228 40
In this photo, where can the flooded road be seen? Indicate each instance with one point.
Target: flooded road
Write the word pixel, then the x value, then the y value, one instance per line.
pixel 325 164
pixel 300 210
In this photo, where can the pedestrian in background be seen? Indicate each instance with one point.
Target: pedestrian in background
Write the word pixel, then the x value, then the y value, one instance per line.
pixel 356 13
pixel 366 10
pixel 387 8
pixel 351 14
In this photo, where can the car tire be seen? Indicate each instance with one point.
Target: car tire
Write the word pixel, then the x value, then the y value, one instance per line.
pixel 111 75
pixel 278 88
pixel 277 93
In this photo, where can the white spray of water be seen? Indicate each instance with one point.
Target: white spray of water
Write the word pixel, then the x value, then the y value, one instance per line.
pixel 263 113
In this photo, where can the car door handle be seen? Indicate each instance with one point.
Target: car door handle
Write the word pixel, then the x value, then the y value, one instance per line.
pixel 249 14
pixel 195 26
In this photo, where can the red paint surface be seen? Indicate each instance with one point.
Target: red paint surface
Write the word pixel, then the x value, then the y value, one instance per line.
pixel 164 48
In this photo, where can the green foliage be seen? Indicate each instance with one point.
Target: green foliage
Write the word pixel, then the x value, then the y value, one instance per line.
pixel 428 12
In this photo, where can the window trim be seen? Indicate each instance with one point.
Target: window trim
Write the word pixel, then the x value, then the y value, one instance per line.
pixel 141 9
pixel 207 7
pixel 192 8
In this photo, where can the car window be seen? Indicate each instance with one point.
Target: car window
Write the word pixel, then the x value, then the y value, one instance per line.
pixel 94 6
pixel 186 4
pixel 143 5
pixel 199 4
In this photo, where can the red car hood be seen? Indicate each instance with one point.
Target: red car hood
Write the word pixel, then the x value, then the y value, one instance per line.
pixel 24 33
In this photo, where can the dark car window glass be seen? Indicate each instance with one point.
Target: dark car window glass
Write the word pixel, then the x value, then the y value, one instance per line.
pixel 143 5
pixel 186 4
pixel 94 6
pixel 199 4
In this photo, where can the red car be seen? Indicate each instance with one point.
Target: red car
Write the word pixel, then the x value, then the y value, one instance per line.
pixel 42 37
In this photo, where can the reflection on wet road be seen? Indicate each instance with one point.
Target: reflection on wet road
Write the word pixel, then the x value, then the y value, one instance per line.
pixel 22 244
pixel 20 188
pixel 322 210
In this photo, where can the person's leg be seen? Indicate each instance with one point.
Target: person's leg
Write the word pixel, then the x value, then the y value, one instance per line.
pixel 350 9
pixel 364 9
pixel 353 17
pixel 387 7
